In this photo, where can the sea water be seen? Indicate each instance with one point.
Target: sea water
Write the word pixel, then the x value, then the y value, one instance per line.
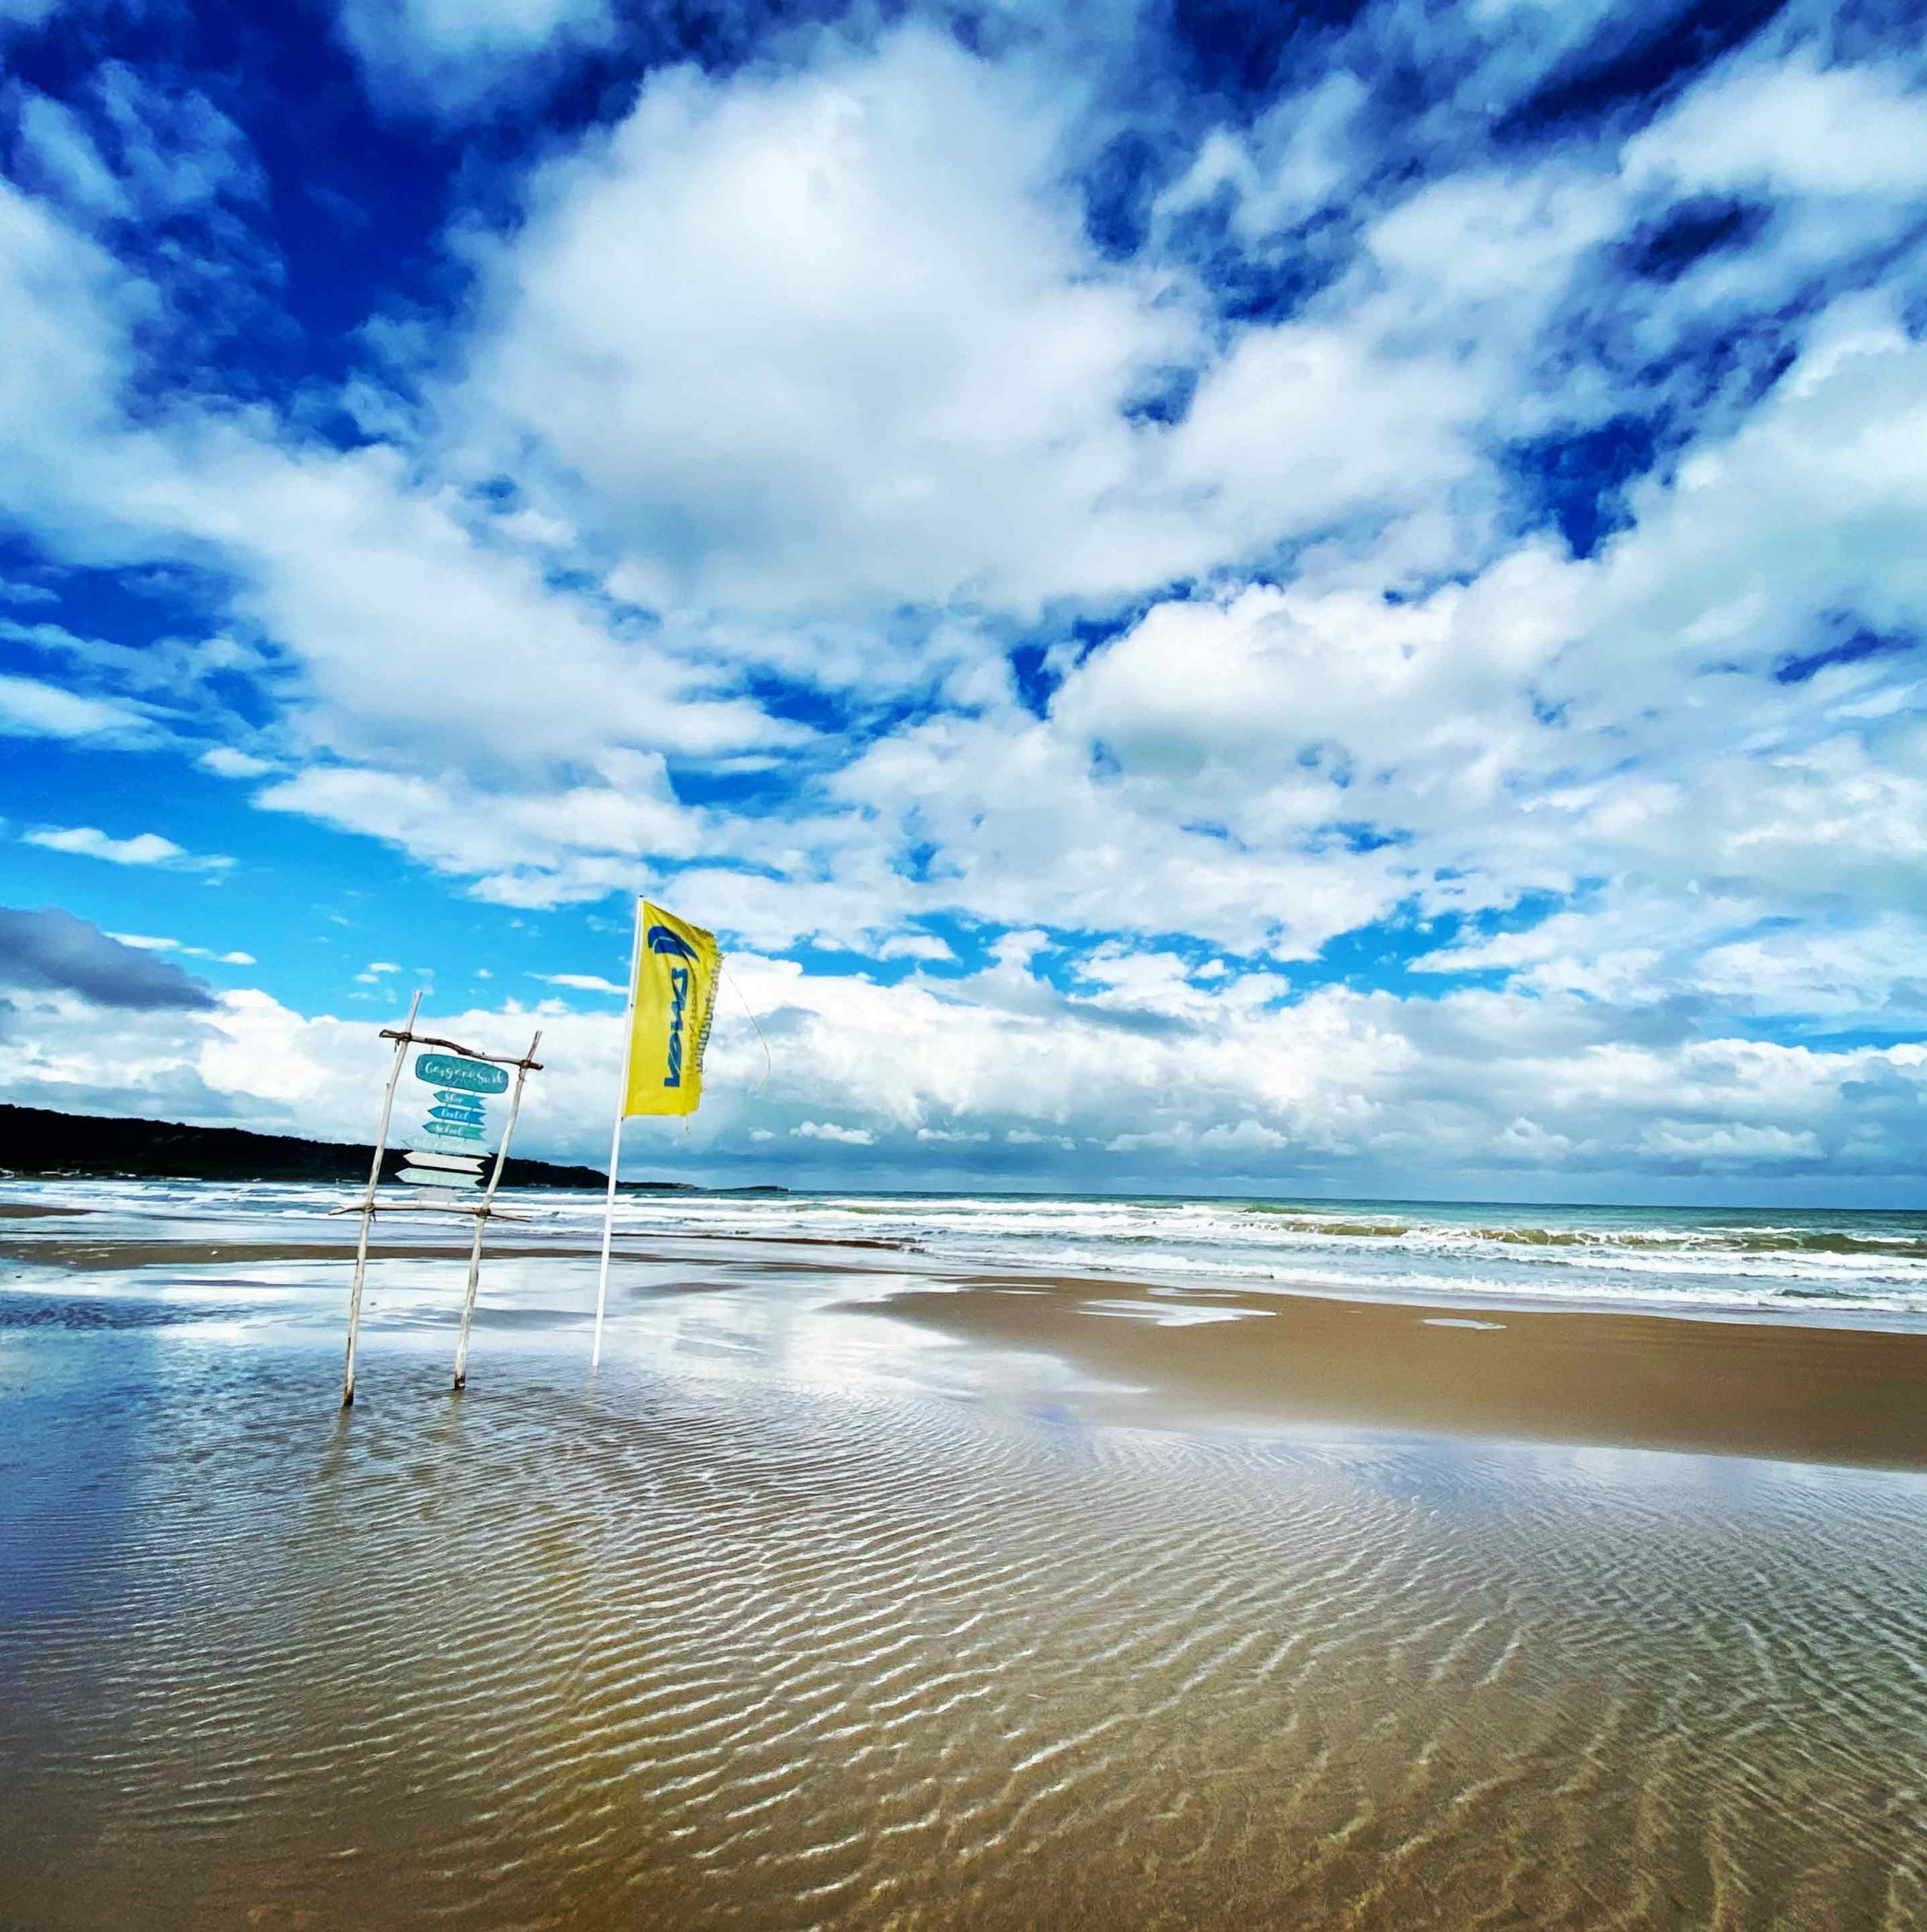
pixel 1811 1265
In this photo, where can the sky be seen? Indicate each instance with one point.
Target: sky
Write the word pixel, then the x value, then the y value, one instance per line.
pixel 1319 600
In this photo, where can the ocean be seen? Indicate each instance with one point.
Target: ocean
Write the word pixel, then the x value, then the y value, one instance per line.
pixel 1808 1265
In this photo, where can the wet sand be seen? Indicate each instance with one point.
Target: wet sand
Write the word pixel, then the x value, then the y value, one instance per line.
pixel 1207 1355
pixel 1218 1355
pixel 839 1597
pixel 114 1254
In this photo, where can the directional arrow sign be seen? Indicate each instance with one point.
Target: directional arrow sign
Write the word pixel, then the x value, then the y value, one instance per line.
pixel 461 1163
pixel 435 1177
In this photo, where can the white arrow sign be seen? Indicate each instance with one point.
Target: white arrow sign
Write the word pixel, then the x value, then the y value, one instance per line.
pixel 458 1164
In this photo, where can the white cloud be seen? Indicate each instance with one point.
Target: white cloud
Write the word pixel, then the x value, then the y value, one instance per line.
pixel 836 338
pixel 1792 124
pixel 451 56
pixel 1232 768
pixel 916 945
pixel 400 625
pixel 144 848
pixel 458 827
pixel 401 612
pixel 55 145
pixel 1874 971
pixel 784 350
pixel 1709 1145
pixel 175 151
pixel 29 709
pixel 587 982
pixel 1285 165
pixel 134 149
pixel 832 336
pixel 225 762
pixel 1341 1090
pixel 148 943
pixel 413 633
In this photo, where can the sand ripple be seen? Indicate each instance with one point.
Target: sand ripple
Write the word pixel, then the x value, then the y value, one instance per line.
pixel 677 1652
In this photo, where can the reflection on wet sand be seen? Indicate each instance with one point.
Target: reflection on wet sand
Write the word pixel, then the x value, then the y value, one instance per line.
pixel 1199 1353
pixel 1212 1355
pixel 798 1616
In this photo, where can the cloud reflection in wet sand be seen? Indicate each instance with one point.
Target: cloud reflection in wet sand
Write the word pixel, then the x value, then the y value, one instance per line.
pixel 756 1631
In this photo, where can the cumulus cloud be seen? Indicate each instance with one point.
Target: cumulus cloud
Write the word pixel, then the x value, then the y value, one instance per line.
pixel 1335 1092
pixel 399 624
pixel 1792 123
pixel 816 336
pixel 1376 555
pixel 916 945
pixel 1281 765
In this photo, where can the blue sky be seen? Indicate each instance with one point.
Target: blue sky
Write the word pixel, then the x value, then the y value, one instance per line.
pixel 1319 599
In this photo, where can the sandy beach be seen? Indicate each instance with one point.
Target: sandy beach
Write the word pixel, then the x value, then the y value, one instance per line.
pixel 1725 1388
pixel 1203 1356
pixel 846 1595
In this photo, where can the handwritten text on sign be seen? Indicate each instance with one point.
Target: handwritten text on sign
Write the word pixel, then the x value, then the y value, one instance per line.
pixel 450 1147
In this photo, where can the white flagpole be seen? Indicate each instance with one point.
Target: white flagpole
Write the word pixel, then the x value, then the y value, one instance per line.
pixel 615 1134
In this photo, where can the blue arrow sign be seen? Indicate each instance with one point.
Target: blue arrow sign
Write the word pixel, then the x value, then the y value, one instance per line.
pixel 473 1076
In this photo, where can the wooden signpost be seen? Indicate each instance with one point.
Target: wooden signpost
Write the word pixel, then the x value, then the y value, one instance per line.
pixel 448 1153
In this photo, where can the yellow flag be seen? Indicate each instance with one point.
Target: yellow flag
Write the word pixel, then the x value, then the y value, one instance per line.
pixel 674 997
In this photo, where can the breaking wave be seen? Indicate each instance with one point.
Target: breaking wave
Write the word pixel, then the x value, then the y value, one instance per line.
pixel 1805 1264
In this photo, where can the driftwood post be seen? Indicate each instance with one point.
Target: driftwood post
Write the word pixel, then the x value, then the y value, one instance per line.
pixel 401 1039
pixel 615 1136
pixel 523 1067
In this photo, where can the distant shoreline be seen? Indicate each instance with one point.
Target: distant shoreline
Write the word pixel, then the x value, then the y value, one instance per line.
pixel 37 1143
